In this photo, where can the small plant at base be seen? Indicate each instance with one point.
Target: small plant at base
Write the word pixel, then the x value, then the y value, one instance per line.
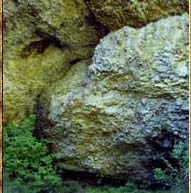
pixel 27 164
pixel 175 176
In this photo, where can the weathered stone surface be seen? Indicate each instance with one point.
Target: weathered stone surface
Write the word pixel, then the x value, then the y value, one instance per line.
pixel 42 39
pixel 123 114
pixel 65 20
pixel 118 13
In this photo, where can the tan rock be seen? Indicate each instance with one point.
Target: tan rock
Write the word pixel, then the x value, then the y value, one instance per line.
pixel 136 13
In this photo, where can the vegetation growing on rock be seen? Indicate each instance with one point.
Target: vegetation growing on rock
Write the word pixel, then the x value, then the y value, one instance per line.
pixel 130 110
pixel 112 105
pixel 28 168
pixel 27 165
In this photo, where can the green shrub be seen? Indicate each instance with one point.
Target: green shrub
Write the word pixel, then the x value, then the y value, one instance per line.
pixel 175 175
pixel 27 164
pixel 126 189
pixel 129 188
pixel 180 153
pixel 70 186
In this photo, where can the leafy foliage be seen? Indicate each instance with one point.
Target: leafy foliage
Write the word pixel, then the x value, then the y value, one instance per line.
pixel 128 188
pixel 28 167
pixel 175 175
pixel 27 164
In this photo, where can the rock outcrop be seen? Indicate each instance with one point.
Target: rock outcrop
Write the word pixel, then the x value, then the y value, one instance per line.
pixel 118 114
pixel 122 115
pixel 136 13
pixel 42 40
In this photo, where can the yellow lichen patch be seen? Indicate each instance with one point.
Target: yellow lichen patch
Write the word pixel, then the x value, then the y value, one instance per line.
pixel 26 77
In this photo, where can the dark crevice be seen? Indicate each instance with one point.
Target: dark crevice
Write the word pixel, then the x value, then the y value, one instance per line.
pixel 92 21
pixel 72 62
pixel 39 47
pixel 42 125
pixel 163 142
pixel 91 179
pixel 53 39
pixel 38 111
pixel 75 61
pixel 162 147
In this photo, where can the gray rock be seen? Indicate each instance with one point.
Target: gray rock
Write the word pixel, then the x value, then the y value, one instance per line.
pixel 129 107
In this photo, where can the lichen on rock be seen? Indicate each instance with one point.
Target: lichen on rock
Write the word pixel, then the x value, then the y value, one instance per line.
pixel 42 40
pixel 136 13
pixel 130 109
pixel 116 113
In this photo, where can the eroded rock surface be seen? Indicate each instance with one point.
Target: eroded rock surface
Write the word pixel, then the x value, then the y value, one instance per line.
pixel 118 13
pixel 116 114
pixel 122 115
pixel 42 39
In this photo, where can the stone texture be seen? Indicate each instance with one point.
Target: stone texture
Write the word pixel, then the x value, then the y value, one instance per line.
pixel 42 39
pixel 118 13
pixel 122 115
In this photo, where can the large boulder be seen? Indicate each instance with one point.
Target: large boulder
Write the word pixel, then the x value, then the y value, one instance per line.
pixel 117 13
pixel 42 39
pixel 122 115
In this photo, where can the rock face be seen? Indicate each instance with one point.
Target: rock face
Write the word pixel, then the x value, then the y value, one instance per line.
pixel 42 39
pixel 118 13
pixel 122 115
pixel 119 116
